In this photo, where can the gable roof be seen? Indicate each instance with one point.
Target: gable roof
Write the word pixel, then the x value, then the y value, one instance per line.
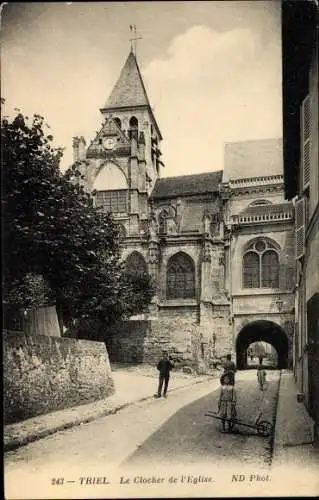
pixel 129 89
pixel 255 158
pixel 171 187
pixel 110 127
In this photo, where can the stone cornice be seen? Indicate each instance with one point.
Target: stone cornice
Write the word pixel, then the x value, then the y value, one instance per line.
pixel 262 292
pixel 181 239
pixel 263 314
pixel 261 189
pixel 133 240
pixel 98 153
pixel 256 181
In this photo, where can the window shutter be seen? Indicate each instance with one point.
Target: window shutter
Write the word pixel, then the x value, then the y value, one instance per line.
pixel 305 142
pixel 300 227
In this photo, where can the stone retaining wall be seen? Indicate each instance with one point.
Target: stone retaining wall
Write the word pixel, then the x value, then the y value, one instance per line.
pixel 44 374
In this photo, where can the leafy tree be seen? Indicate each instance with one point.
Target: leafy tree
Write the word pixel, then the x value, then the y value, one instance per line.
pixel 51 229
pixel 30 292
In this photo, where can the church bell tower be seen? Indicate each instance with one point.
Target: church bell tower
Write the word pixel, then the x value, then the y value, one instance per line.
pixel 123 161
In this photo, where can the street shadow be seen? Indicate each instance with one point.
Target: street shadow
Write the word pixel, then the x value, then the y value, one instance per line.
pixel 190 436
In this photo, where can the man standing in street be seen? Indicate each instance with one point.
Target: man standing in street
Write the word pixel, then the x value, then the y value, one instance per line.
pixel 164 367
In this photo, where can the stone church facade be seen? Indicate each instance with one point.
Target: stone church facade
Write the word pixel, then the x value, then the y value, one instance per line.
pixel 219 245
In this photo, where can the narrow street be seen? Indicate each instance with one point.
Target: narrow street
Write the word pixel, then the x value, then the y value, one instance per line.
pixel 164 431
pixel 191 437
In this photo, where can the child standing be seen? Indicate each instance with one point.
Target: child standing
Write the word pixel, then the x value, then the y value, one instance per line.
pixel 227 402
pixel 261 377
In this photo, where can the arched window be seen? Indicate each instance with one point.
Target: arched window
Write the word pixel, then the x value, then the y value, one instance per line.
pixel 118 121
pixel 135 262
pixel 180 277
pixel 111 189
pixel 261 265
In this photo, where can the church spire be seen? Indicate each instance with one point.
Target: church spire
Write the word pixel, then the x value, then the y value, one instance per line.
pixel 129 89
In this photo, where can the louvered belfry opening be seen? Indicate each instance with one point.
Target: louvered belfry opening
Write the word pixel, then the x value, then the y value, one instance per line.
pixel 180 277
pixel 261 265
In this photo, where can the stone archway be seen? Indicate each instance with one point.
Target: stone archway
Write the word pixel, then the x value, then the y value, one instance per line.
pixel 264 331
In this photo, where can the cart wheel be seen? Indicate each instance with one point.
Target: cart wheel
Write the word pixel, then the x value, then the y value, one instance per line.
pixel 264 428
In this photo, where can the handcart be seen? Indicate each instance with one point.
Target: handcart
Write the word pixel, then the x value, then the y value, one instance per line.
pixel 263 427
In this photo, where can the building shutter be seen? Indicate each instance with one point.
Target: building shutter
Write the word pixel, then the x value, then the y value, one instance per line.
pixel 305 142
pixel 300 227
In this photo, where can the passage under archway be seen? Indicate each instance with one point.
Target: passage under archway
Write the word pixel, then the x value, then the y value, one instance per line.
pixel 262 331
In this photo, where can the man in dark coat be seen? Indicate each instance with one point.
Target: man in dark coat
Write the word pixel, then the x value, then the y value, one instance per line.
pixel 164 367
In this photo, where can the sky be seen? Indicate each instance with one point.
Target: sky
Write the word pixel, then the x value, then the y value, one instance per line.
pixel 212 70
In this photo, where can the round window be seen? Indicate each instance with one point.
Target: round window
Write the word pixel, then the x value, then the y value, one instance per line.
pixel 260 246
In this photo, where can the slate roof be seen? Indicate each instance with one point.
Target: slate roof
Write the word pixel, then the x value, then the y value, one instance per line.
pixel 171 187
pixel 256 158
pixel 129 89
pixel 268 209
pixel 192 217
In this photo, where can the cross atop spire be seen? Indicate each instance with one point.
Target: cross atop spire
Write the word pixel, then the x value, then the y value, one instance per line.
pixel 134 38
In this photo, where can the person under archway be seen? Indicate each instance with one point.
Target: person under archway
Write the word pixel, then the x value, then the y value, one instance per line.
pixel 261 376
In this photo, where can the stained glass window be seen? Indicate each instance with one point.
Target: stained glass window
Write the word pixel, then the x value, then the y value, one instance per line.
pixel 180 277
